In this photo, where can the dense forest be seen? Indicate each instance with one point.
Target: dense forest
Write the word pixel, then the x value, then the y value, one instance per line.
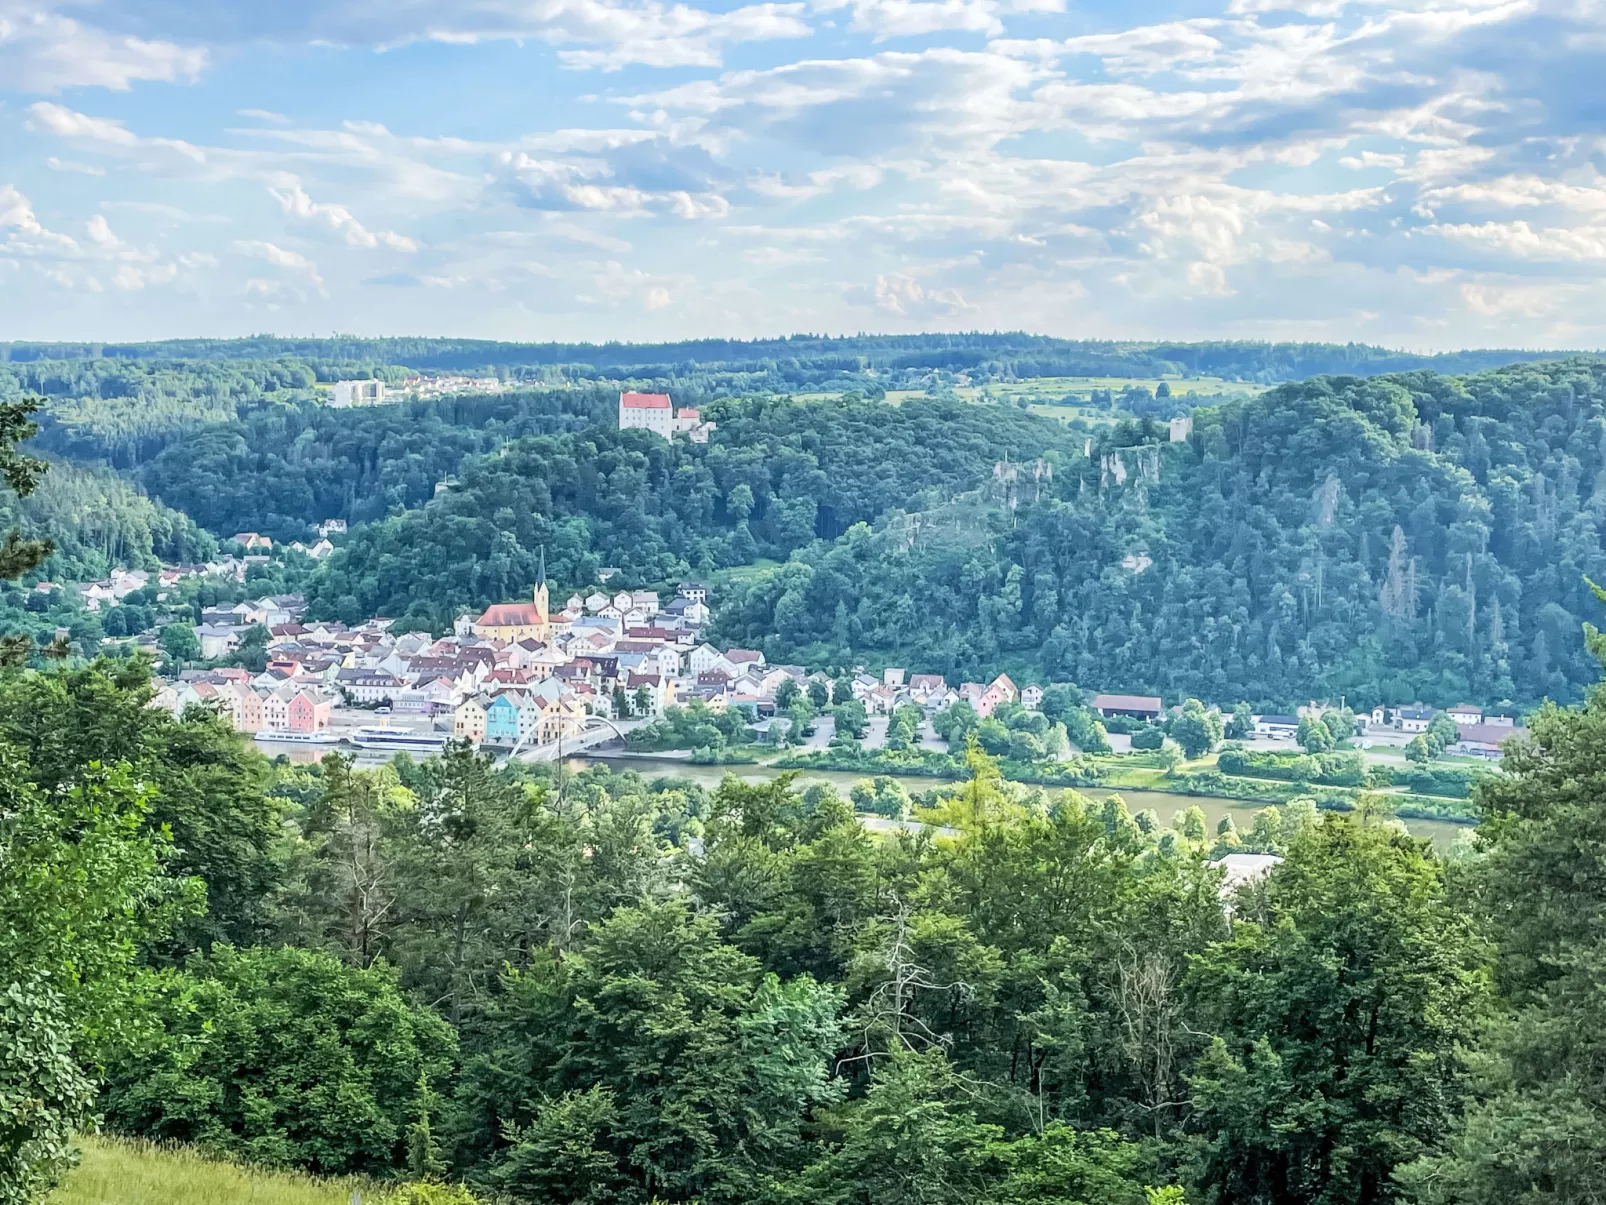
pixel 777 475
pixel 97 521
pixel 1409 536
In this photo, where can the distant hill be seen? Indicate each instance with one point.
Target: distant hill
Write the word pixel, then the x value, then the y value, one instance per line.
pixel 800 360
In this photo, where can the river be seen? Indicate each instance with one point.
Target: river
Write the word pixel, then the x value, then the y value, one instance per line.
pixel 1165 804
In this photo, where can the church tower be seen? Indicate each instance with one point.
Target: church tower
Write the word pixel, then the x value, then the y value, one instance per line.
pixel 543 613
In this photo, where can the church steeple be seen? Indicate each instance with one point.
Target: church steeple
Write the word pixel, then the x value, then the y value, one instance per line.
pixel 540 594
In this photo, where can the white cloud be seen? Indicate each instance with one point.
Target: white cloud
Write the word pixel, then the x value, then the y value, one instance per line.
pixel 43 51
pixel 295 202
pixel 16 212
pixel 279 257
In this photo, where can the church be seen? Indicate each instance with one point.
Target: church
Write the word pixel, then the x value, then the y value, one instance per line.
pixel 511 622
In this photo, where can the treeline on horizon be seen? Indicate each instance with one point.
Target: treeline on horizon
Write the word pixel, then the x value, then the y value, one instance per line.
pixel 799 360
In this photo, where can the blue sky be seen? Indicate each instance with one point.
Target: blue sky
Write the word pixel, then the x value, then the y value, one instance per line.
pixel 1418 173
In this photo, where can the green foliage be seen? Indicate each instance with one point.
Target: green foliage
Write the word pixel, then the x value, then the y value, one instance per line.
pixel 694 726
pixel 710 1063
pixel 1314 735
pixel 282 1057
pixel 1338 1008
pixel 881 796
pixel 1148 738
pixel 1537 1130
pixel 910 1139
pixel 1479 594
pixel 1335 769
pixel 45 1097
pixel 206 788
pixel 775 476
pixel 852 721
pixel 21 474
pixel 1196 730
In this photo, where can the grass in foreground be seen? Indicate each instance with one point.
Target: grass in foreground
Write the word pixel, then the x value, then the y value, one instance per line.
pixel 119 1172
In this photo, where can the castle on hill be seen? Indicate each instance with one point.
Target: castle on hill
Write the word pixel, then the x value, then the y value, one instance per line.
pixel 653 412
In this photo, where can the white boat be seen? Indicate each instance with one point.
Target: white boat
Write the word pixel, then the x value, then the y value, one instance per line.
pixel 283 736
pixel 399 739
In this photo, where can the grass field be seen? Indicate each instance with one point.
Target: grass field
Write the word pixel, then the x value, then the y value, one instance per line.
pixel 115 1172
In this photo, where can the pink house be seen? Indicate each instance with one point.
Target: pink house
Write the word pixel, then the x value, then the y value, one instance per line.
pixel 308 712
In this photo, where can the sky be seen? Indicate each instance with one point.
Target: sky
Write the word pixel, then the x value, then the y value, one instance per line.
pixel 1424 174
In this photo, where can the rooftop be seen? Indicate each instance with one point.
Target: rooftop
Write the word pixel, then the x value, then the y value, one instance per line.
pixel 644 401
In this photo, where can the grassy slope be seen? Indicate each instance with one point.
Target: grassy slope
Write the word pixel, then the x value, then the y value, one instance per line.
pixel 114 1172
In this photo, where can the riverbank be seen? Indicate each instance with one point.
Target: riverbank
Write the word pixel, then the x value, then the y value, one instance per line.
pixel 1166 803
pixel 1202 780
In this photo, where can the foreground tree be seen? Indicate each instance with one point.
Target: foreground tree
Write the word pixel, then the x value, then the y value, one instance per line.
pixel 1338 1007
pixel 1537 1135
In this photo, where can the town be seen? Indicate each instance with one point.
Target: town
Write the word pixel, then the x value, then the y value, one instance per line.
pixel 539 678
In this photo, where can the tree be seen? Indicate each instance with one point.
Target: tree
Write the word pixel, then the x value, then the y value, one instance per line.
pixel 842 691
pixel 179 642
pixel 1195 729
pixel 1442 732
pixel 819 695
pixel 1418 750
pixel 1338 1014
pixel 711 1064
pixel 81 891
pixel 912 1138
pixel 881 796
pixel 285 1057
pixel 21 475
pixel 1240 724
pixel 852 721
pixel 641 701
pixel 786 694
pixel 209 791
pixel 1537 1131
pixel 1314 736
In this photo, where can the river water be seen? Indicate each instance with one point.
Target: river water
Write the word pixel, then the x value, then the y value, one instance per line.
pixel 1165 804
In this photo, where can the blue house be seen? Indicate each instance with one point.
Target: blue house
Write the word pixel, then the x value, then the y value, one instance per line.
pixel 502 721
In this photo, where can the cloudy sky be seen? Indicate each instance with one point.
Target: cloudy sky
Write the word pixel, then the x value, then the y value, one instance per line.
pixel 1418 173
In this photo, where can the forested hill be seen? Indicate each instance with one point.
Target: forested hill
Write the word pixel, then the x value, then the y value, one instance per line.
pixel 1411 536
pixel 777 475
pixel 800 360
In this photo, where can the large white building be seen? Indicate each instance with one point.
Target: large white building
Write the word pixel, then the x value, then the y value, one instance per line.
pixel 650 411
pixel 358 393
pixel 653 412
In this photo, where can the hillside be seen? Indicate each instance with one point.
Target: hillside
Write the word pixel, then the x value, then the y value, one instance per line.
pixel 776 475
pixel 1406 536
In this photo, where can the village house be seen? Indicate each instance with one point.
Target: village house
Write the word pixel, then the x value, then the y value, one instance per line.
pixel 1415 718
pixel 468 718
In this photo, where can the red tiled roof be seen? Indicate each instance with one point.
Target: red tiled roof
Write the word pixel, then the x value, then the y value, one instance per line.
pixel 644 401
pixel 507 615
